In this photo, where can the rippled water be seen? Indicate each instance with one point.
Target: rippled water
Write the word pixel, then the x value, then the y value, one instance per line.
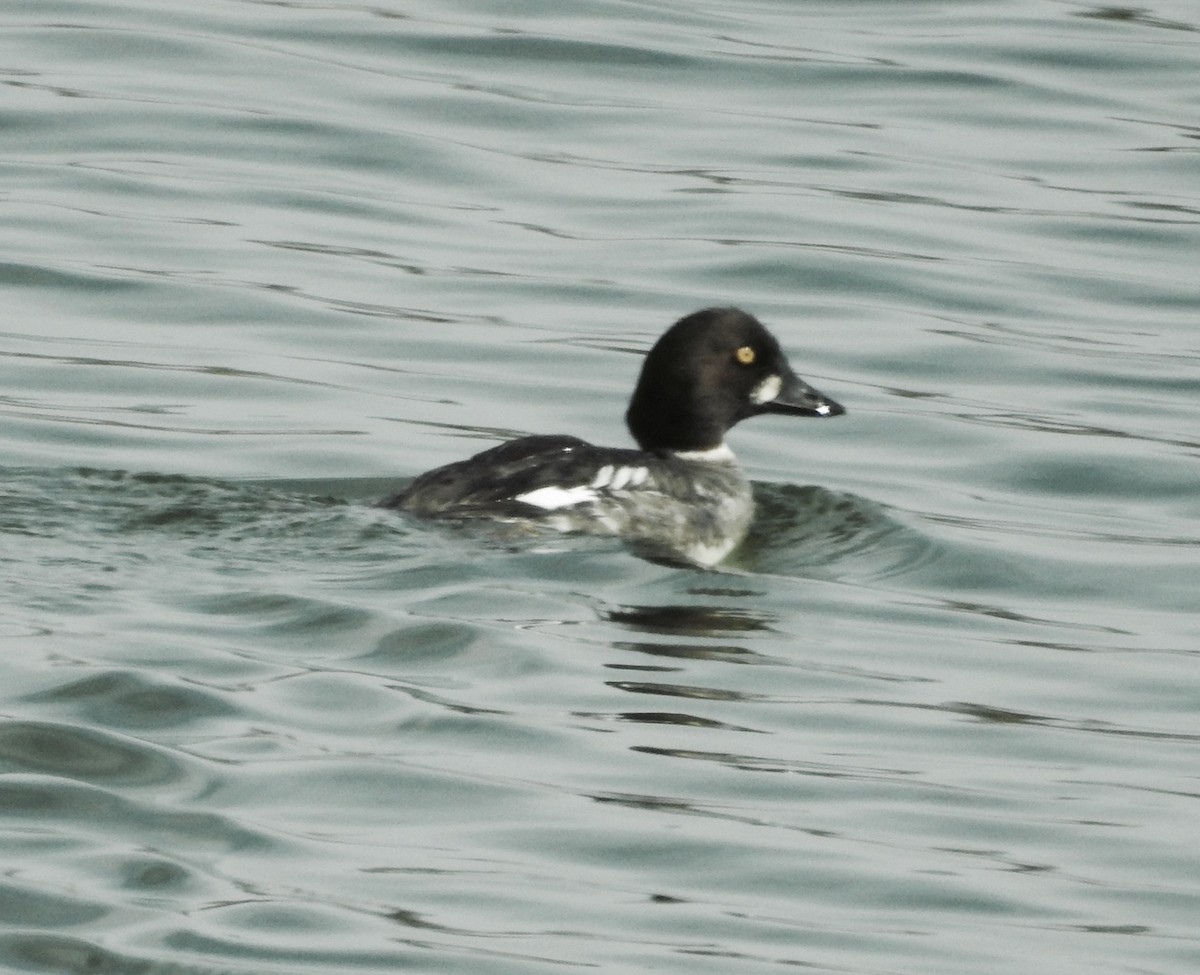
pixel 261 262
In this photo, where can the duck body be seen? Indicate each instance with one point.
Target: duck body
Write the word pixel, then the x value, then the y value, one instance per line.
pixel 680 496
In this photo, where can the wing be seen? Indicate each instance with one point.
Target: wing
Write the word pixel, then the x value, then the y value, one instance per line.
pixel 521 477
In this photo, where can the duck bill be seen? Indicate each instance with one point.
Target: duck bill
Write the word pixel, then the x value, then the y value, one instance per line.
pixel 798 398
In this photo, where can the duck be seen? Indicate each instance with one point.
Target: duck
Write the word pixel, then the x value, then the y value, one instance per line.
pixel 680 496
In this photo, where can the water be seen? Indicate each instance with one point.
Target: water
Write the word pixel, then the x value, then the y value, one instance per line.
pixel 262 262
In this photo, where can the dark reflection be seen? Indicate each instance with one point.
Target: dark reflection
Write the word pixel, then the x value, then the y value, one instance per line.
pixel 414 919
pixel 681 719
pixel 995 715
pixel 756 763
pixel 723 591
pixel 1134 15
pixel 721 612
pixel 875 196
pixel 389 260
pixel 692 651
pixel 644 668
pixel 645 802
pixel 156 875
pixel 991 714
pixel 1010 615
pixel 1003 862
pixel 684 620
pixel 679 806
pixel 428 697
pixel 680 690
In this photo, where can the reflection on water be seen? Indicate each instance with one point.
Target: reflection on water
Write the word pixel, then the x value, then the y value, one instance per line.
pixel 678 690
pixel 722 652
pixel 687 620
pixel 678 718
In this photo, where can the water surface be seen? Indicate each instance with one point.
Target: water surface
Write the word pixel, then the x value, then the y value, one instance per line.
pixel 263 262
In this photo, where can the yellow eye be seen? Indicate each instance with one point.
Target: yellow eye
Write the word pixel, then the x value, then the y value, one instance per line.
pixel 745 355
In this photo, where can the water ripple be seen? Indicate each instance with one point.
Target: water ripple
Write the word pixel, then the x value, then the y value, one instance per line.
pixel 278 257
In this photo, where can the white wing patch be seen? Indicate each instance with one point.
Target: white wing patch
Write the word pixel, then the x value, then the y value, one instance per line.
pixel 617 478
pixel 766 391
pixel 551 498
pixel 608 478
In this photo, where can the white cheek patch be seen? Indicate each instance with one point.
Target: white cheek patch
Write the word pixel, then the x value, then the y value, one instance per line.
pixel 553 498
pixel 766 391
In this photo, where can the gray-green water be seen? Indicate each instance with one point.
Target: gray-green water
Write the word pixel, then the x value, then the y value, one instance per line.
pixel 262 262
